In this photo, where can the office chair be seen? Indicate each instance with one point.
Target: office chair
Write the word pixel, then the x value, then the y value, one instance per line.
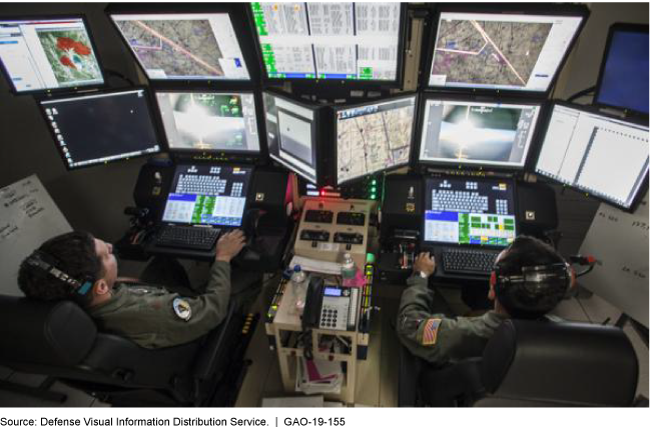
pixel 60 340
pixel 537 363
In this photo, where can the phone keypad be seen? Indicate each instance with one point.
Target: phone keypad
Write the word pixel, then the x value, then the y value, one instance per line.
pixel 329 318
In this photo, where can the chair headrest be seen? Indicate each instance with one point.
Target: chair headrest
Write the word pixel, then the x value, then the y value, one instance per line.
pixel 49 333
pixel 582 364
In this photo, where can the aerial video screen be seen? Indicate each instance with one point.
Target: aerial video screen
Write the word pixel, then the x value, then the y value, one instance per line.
pixel 487 134
pixel 374 138
pixel 184 46
pixel 48 54
pixel 517 52
pixel 209 121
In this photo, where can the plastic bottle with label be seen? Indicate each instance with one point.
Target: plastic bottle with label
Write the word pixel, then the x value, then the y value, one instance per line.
pixel 299 286
pixel 348 271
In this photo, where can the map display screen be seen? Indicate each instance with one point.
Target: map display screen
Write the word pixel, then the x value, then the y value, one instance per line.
pixel 184 46
pixel 500 51
pixel 374 137
pixel 48 54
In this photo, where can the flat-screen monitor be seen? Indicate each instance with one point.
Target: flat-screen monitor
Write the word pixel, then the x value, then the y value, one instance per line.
pixel 48 53
pixel 344 41
pixel 291 129
pixel 185 46
pixel 594 153
pixel 208 194
pixel 205 121
pixel 477 134
pixel 500 51
pixel 373 137
pixel 623 79
pixel 98 128
pixel 469 211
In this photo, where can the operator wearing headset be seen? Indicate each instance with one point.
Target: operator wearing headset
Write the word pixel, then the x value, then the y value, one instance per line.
pixel 529 279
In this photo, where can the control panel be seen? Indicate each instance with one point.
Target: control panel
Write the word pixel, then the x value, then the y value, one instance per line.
pixel 330 227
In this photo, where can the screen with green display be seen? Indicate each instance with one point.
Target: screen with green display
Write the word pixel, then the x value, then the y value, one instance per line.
pixel 345 41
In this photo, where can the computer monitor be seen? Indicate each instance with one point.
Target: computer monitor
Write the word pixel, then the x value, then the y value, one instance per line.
pixel 184 46
pixel 101 127
pixel 485 135
pixel 373 137
pixel 208 194
pixel 48 53
pixel 342 41
pixel 208 121
pixel 292 134
pixel 595 153
pixel 469 211
pixel 623 78
pixel 495 50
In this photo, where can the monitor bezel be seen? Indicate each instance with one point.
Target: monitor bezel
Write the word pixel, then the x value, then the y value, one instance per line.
pixel 210 154
pixel 210 163
pixel 320 133
pixel 473 167
pixel 571 10
pixel 515 209
pixel 239 27
pixel 592 110
pixel 337 109
pixel 613 29
pixel 147 97
pixel 59 90
pixel 339 83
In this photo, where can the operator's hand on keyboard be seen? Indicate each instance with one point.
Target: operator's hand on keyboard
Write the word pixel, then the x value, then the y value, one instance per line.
pixel 229 245
pixel 424 263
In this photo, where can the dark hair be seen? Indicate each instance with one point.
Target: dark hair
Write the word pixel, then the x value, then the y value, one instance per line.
pixel 529 300
pixel 73 253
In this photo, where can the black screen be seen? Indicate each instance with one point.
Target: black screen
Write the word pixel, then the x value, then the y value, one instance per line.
pixel 99 128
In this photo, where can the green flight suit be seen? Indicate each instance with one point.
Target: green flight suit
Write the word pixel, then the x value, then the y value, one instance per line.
pixel 146 314
pixel 447 339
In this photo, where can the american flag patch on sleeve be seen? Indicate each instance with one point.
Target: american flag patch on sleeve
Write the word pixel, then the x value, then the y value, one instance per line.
pixel 430 331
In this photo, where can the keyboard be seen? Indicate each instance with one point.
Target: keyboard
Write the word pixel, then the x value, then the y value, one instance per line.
pixel 206 185
pixel 471 261
pixel 198 238
pixel 458 201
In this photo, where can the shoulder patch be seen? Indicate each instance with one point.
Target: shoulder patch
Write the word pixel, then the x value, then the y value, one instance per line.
pixel 430 331
pixel 182 308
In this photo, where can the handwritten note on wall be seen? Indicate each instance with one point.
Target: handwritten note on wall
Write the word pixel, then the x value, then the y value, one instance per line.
pixel 28 217
pixel 619 241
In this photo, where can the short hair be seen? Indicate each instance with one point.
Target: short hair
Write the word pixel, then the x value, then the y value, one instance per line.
pixel 75 254
pixel 525 302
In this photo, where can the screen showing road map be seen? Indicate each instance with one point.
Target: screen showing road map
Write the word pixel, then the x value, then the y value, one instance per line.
pixel 184 46
pixel 500 51
pixel 373 137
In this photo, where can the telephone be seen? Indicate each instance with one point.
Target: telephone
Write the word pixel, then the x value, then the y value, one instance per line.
pixel 330 307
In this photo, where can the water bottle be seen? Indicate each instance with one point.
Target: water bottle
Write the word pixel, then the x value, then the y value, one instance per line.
pixel 348 271
pixel 299 286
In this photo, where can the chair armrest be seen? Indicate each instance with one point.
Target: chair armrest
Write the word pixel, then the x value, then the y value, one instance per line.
pixel 216 349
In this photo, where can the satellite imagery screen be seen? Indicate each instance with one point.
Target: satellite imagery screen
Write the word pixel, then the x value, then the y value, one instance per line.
pixel 488 52
pixel 70 55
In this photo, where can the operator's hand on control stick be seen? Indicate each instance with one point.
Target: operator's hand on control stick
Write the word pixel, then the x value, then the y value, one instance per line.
pixel 424 263
pixel 229 245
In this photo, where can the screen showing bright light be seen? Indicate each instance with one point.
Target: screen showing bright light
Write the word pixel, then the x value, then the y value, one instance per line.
pixel 500 51
pixel 291 135
pixel 374 137
pixel 596 154
pixel 352 41
pixel 47 54
pixel 477 133
pixel 199 46
pixel 209 121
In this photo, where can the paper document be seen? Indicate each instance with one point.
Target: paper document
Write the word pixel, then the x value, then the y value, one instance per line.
pixel 318 266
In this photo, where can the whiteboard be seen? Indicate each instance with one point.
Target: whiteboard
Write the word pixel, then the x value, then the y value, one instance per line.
pixel 28 217
pixel 619 241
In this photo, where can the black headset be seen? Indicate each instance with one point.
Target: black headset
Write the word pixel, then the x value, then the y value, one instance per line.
pixel 45 262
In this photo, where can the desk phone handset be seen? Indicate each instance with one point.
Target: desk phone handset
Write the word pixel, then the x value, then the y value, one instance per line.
pixel 330 307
